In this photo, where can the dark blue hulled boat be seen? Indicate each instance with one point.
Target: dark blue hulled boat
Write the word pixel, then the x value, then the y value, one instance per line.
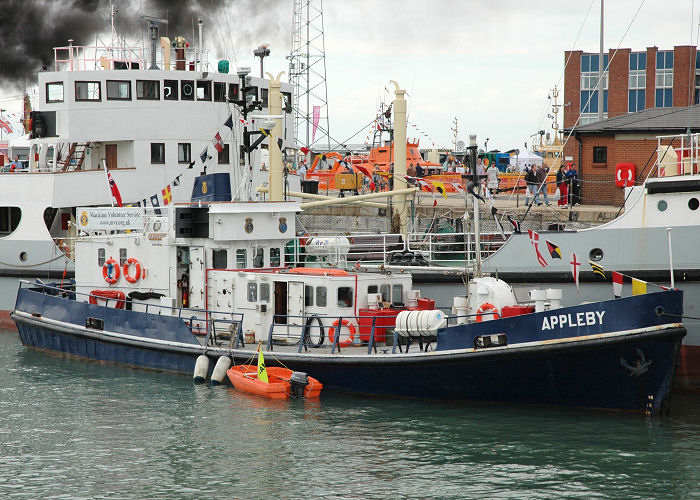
pixel 616 354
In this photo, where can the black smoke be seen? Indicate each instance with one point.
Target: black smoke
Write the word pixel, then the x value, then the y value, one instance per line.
pixel 30 29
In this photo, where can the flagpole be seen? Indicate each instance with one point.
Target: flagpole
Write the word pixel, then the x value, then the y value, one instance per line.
pixel 670 256
pixel 111 197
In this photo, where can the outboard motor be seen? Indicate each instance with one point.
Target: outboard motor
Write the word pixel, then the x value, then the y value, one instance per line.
pixel 297 383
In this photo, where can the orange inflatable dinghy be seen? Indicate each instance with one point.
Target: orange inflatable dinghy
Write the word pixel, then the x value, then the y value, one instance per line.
pixel 281 382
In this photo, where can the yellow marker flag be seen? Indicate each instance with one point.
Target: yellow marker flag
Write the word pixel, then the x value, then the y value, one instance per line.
pixel 639 287
pixel 440 188
pixel 262 371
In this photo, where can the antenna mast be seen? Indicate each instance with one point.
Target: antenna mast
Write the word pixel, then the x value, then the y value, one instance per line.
pixel 307 73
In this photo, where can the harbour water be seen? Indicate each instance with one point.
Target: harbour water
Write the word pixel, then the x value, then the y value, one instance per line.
pixel 79 429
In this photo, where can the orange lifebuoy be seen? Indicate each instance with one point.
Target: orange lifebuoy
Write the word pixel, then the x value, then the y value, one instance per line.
pixel 137 274
pixel 109 265
pixel 487 309
pixel 106 295
pixel 342 343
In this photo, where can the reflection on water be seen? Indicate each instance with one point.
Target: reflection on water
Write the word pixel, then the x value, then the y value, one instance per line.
pixel 73 428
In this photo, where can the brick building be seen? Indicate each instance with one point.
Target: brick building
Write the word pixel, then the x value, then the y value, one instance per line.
pixel 598 147
pixel 643 95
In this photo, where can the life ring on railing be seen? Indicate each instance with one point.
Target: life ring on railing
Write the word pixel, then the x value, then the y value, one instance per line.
pixel 107 268
pixel 342 343
pixel 487 309
pixel 106 295
pixel 137 273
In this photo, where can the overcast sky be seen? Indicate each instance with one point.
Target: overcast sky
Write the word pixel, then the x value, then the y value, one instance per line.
pixel 489 63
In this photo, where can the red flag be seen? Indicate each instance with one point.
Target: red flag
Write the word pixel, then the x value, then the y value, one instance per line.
pixel 575 263
pixel 364 170
pixel 218 143
pixel 617 280
pixel 304 150
pixel 115 190
pixel 535 239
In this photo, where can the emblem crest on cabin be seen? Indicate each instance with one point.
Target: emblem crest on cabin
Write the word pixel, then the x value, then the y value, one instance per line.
pixel 204 187
pixel 283 224
pixel 83 218
pixel 249 225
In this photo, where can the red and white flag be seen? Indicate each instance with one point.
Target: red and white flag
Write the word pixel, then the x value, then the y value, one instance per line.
pixel 617 280
pixel 535 240
pixel 218 143
pixel 575 264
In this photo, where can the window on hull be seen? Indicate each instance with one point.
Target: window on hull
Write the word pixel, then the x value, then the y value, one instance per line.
pixel 9 220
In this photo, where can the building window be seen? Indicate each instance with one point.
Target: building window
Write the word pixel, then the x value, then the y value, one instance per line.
pixel 219 258
pixel 664 79
pixel 203 91
pixel 118 90
pixel 589 88
pixel 600 154
pixel 275 259
pixel 321 294
pixel 308 296
pixel 54 92
pixel 241 258
pixel 148 90
pixel 219 92
pixel 87 91
pixel 157 152
pixel 187 87
pixel 224 155
pixel 184 152
pixel 170 90
pixel 637 82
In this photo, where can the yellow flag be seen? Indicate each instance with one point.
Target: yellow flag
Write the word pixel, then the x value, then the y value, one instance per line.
pixel 262 371
pixel 440 188
pixel 639 287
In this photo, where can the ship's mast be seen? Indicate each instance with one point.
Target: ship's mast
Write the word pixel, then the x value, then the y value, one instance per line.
pixel 307 73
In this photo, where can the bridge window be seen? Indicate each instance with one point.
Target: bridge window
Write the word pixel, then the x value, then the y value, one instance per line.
pixel 148 90
pixel 118 90
pixel 203 91
pixel 187 87
pixel 219 92
pixel 241 258
pixel 223 157
pixel 275 259
pixel 87 91
pixel 385 291
pixel 232 92
pixel 264 97
pixel 259 259
pixel 9 220
pixel 287 102
pixel 54 92
pixel 170 90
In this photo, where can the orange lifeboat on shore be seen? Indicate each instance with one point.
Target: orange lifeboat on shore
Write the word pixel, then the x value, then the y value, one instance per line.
pixel 282 384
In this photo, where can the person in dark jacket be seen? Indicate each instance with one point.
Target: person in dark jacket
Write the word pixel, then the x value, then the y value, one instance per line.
pixel 531 183
pixel 562 185
pixel 541 176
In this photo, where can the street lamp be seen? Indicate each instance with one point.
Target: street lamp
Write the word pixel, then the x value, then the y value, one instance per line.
pixel 262 52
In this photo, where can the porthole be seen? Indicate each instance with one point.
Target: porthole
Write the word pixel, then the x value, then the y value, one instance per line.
pixel 595 255
pixel 693 203
pixel 662 206
pixel 23 256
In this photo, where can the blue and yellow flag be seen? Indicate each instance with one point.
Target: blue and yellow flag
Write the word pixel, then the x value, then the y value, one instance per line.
pixel 262 371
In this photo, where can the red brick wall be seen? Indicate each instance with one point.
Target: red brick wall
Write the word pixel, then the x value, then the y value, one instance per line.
pixel 618 82
pixel 572 87
pixel 651 75
pixel 598 181
pixel 683 75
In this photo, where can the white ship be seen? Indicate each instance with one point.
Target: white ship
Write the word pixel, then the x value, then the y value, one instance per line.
pixel 154 119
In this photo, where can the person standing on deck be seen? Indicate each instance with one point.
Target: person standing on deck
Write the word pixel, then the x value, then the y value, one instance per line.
pixel 574 188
